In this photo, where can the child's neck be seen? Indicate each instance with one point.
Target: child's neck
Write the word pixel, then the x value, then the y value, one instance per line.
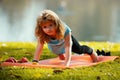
pixel 53 37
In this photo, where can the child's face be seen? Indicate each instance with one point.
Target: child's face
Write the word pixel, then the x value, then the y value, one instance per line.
pixel 49 28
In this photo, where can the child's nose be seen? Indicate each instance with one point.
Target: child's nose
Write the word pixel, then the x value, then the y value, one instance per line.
pixel 48 28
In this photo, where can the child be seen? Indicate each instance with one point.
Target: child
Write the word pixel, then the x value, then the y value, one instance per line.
pixel 51 30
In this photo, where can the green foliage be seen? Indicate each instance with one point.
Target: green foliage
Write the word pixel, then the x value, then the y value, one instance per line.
pixel 21 49
pixel 103 71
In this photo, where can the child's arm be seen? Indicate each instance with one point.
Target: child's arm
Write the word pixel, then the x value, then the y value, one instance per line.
pixel 68 45
pixel 38 51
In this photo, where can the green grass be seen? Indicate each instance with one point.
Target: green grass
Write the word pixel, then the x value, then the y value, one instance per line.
pixel 103 71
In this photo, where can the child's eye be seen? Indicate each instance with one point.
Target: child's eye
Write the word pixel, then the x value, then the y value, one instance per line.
pixel 44 26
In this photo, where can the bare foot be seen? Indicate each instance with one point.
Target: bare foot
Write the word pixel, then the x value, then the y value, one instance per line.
pixel 94 57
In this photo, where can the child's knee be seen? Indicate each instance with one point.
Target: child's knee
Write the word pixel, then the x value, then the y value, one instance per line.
pixel 61 57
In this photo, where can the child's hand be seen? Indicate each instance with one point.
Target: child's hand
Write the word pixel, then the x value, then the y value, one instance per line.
pixel 34 62
pixel 66 65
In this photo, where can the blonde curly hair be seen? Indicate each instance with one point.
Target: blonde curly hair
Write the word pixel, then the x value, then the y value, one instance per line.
pixel 48 15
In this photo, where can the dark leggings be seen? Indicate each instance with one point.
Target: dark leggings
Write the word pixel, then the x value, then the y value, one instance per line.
pixel 79 49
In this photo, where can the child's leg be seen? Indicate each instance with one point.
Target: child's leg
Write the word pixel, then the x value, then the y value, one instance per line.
pixel 77 48
pixel 94 56
pixel 61 56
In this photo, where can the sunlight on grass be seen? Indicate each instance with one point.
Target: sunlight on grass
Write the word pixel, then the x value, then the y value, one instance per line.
pixel 104 71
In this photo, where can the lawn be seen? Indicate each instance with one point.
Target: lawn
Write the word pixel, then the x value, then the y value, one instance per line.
pixel 103 71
